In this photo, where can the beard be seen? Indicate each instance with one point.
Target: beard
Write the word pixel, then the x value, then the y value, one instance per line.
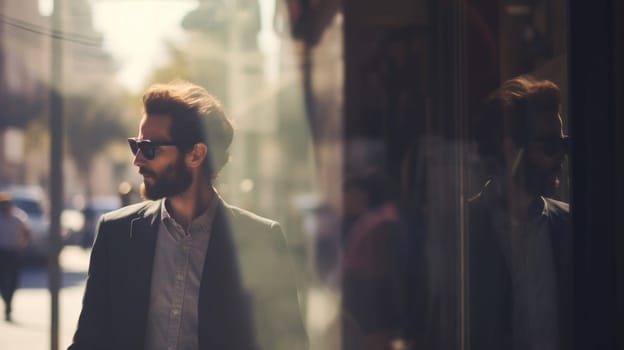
pixel 173 180
pixel 539 181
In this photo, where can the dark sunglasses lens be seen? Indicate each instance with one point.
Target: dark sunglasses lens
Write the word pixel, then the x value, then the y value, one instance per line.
pixel 148 150
pixel 134 147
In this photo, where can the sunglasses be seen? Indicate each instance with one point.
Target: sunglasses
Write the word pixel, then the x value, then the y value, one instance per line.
pixel 147 147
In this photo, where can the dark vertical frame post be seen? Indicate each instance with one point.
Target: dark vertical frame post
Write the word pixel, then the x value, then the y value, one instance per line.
pixel 56 175
pixel 448 311
pixel 460 135
pixel 594 172
pixel 618 41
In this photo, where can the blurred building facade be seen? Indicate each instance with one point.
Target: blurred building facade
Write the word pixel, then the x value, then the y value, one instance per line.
pixel 25 50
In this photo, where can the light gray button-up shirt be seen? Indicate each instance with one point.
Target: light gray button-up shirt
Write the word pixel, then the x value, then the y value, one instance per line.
pixel 172 321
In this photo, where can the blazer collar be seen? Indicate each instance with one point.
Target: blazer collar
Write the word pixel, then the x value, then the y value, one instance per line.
pixel 142 247
pixel 148 215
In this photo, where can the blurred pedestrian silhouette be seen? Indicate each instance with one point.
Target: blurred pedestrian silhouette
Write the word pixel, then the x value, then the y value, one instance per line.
pixel 374 275
pixel 14 236
pixel 520 239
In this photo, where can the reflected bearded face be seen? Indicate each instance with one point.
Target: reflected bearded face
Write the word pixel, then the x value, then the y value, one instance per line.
pixel 543 181
pixel 172 180
pixel 542 166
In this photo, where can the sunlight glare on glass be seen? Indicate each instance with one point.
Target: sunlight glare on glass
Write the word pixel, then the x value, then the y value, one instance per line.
pixel 268 40
pixel 46 7
pixel 247 185
pixel 139 44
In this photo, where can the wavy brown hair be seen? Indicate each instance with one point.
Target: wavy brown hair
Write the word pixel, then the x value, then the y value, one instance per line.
pixel 197 117
pixel 512 111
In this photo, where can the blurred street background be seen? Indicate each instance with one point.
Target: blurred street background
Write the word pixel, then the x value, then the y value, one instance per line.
pixel 89 59
pixel 30 328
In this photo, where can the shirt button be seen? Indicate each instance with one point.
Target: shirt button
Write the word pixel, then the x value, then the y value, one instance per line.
pixel 176 312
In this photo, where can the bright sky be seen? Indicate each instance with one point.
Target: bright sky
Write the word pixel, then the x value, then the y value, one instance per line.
pixel 134 32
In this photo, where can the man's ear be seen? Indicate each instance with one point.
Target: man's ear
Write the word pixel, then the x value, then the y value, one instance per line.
pixel 197 155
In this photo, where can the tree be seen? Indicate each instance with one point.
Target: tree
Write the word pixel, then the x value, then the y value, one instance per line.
pixel 201 59
pixel 92 124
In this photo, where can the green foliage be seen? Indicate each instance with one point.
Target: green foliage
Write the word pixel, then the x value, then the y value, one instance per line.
pixel 92 123
pixel 200 59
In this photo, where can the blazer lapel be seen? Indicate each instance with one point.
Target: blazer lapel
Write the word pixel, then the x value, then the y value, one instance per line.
pixel 225 320
pixel 142 245
pixel 561 240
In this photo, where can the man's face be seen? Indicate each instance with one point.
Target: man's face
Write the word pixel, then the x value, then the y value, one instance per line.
pixel 544 156
pixel 166 174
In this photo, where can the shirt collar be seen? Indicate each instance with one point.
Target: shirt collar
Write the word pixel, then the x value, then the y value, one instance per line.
pixel 546 207
pixel 203 222
pixel 493 193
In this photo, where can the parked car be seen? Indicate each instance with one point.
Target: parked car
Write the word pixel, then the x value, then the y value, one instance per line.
pixel 31 201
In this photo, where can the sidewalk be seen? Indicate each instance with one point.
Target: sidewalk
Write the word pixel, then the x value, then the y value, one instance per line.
pixel 30 328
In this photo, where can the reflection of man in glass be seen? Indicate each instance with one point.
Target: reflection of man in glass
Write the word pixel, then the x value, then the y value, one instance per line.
pixel 185 270
pixel 520 244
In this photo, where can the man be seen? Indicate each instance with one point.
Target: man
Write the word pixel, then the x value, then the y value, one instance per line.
pixel 520 239
pixel 14 236
pixel 185 270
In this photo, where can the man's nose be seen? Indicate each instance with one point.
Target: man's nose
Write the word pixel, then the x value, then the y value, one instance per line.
pixel 139 159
